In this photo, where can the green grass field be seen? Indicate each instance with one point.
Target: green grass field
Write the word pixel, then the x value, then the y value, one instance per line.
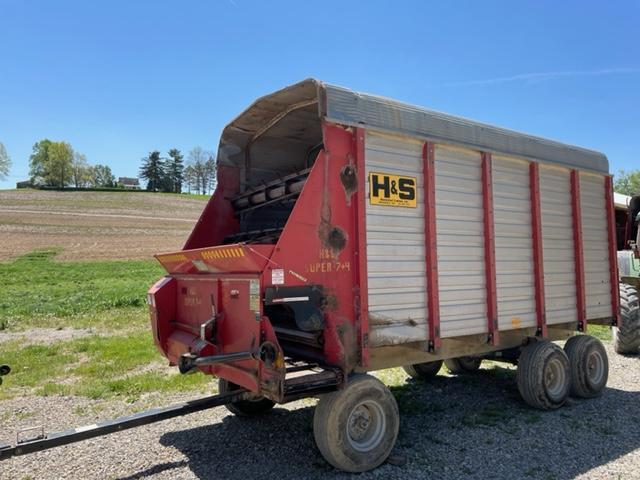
pixel 115 357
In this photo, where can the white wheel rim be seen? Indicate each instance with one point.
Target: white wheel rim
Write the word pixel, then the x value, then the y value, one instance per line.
pixel 595 368
pixel 555 379
pixel 366 426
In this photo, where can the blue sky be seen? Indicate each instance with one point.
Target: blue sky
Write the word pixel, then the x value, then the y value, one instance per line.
pixel 117 79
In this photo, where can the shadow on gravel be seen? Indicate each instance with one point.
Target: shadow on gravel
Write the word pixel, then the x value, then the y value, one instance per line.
pixel 472 426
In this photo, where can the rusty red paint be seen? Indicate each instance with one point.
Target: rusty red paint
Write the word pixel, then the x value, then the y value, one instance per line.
pixel 538 260
pixel 430 238
pixel 489 250
pixel 578 253
pixel 613 255
pixel 362 313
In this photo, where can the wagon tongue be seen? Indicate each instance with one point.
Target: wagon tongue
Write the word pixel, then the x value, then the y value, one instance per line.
pixel 235 258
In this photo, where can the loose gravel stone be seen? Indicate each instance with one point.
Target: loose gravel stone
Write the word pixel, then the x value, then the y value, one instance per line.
pixel 471 427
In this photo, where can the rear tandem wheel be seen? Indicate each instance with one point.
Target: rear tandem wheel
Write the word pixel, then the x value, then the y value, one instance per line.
pixel 423 371
pixel 462 365
pixel 589 366
pixel 544 375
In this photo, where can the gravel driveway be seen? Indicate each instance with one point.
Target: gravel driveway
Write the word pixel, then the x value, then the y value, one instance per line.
pixel 473 427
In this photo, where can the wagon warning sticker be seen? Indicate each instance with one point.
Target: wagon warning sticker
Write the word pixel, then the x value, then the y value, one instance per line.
pixel 392 190
pixel 277 276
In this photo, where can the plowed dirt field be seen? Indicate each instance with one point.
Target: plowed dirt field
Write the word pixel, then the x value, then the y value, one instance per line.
pixel 95 225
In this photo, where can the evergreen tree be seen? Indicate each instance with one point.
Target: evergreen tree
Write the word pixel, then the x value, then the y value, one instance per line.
pixel 174 169
pixel 152 170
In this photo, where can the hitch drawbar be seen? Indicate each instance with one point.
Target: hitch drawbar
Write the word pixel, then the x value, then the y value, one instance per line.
pixel 188 361
pixel 46 442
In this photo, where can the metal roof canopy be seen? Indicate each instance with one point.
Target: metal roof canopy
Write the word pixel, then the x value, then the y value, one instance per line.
pixel 346 107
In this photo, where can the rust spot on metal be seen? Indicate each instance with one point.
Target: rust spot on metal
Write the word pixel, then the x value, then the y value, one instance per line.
pixel 330 302
pixel 337 240
pixel 349 180
pixel 332 237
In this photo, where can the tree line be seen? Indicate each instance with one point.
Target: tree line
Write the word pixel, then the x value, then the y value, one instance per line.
pixel 170 174
pixel 56 164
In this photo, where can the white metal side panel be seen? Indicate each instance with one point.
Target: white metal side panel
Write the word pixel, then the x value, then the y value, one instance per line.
pixel 460 234
pixel 595 246
pixel 558 245
pixel 396 269
pixel 513 244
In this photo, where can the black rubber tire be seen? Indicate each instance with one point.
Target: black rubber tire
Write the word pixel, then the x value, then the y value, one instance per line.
pixel 589 366
pixel 423 371
pixel 462 365
pixel 333 422
pixel 244 408
pixel 626 338
pixel 539 363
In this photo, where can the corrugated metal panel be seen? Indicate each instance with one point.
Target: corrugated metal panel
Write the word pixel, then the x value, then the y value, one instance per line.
pixel 363 110
pixel 514 244
pixel 557 245
pixel 595 241
pixel 396 248
pixel 460 231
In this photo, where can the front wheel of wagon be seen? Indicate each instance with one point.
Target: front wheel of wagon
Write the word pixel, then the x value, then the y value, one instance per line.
pixel 255 405
pixel 544 375
pixel 356 428
pixel 423 371
pixel 589 366
pixel 461 365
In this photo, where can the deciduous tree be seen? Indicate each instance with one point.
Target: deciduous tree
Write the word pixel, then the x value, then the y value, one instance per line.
pixel 101 176
pixel 203 168
pixel 80 170
pixel 627 183
pixel 190 178
pixel 38 161
pixel 5 162
pixel 58 171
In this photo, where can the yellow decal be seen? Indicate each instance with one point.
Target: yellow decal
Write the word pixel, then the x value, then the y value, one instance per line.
pixel 172 258
pixel 328 267
pixel 392 190
pixel 221 253
pixel 515 322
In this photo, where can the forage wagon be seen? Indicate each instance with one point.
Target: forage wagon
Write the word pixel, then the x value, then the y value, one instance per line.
pixel 350 233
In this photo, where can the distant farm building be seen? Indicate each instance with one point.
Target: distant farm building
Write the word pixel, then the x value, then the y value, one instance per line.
pixel 130 183
pixel 24 184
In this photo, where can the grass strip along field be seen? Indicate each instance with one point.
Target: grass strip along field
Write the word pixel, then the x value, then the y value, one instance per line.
pixel 108 352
